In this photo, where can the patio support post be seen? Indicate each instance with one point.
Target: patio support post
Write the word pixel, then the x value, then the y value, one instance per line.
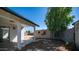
pixel 34 33
pixel 34 28
pixel 19 35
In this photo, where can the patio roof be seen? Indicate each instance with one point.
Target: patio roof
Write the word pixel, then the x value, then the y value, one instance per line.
pixel 16 14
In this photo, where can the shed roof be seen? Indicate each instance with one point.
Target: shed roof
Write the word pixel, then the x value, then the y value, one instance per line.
pixel 16 14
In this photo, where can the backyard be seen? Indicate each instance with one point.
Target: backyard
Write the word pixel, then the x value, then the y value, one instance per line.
pixel 17 33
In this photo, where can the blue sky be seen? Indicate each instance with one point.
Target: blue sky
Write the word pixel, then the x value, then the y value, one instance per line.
pixel 75 12
pixel 37 14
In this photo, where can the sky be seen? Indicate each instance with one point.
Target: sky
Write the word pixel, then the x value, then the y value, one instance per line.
pixel 38 14
pixel 75 12
pixel 35 14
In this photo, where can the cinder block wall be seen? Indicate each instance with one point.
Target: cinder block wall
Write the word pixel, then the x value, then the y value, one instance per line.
pixel 67 36
pixel 42 34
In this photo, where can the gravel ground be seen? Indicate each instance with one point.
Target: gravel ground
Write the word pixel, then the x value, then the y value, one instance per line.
pixel 46 45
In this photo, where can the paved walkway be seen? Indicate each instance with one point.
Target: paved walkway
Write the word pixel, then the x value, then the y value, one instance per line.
pixel 46 45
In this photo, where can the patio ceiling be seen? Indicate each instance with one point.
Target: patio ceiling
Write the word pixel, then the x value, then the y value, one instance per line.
pixel 16 17
pixel 5 21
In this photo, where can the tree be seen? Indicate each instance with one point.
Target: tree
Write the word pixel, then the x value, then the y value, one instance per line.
pixel 58 18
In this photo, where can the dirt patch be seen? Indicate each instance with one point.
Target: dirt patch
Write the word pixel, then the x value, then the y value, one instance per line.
pixel 46 45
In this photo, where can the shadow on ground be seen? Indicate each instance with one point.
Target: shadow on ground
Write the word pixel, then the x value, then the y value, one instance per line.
pixel 6 45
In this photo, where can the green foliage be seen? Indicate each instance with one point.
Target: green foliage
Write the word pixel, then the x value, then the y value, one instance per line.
pixel 58 18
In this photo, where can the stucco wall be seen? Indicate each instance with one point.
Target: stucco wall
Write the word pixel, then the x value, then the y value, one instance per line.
pixel 77 34
pixel 13 34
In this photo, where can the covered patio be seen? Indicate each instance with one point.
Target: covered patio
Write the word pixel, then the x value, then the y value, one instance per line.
pixel 12 29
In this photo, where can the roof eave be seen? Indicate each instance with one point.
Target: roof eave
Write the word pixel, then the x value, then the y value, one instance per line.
pixel 75 22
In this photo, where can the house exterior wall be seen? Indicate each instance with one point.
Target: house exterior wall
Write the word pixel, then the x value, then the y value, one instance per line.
pixel 14 37
pixel 77 35
pixel 13 34
pixel 6 23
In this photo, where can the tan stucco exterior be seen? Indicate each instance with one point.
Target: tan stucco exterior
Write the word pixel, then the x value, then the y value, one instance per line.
pixel 76 28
